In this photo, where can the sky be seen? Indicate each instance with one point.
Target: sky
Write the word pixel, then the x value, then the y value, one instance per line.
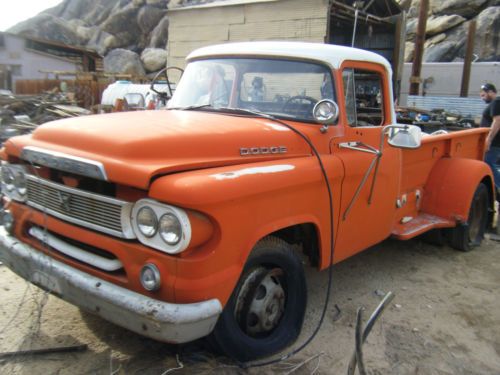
pixel 14 11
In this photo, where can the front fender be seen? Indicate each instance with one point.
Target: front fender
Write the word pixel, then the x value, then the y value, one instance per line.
pixel 246 203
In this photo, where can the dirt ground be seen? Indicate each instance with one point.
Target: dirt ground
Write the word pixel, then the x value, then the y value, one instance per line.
pixel 445 319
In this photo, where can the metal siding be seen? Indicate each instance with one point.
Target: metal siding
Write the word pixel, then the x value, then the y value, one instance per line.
pixel 199 32
pixel 286 10
pixel 305 28
pixel 298 20
pixel 207 16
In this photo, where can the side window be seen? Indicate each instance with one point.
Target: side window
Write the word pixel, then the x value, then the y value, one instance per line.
pixel 363 97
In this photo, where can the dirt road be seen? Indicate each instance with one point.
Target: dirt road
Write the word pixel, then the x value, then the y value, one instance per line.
pixel 445 319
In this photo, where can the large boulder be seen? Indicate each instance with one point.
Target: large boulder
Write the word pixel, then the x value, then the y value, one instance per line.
pixel 102 42
pixel 441 52
pixel 154 59
pixel 409 51
pixel 159 36
pixel 438 24
pixel 123 25
pixel 464 8
pixel 487 41
pixel 123 61
pixel 46 26
pixel 149 17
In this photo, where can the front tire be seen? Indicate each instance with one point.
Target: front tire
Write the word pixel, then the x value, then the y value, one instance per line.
pixel 267 307
pixel 468 236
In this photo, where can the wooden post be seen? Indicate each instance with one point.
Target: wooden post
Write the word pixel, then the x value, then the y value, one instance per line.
pixel 419 48
pixel 464 90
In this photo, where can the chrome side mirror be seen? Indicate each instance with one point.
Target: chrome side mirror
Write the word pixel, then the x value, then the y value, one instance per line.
pixel 404 136
pixel 326 112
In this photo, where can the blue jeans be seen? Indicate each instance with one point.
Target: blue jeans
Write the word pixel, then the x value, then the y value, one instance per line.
pixel 492 157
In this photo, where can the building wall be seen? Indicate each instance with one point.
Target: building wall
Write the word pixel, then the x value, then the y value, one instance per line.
pixel 299 20
pixel 27 64
pixel 447 78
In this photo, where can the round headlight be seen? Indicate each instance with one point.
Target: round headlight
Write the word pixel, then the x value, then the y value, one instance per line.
pixel 170 229
pixel 8 178
pixel 20 182
pixel 150 277
pixel 147 221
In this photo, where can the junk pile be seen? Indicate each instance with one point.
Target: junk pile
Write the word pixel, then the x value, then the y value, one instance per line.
pixel 21 114
pixel 434 120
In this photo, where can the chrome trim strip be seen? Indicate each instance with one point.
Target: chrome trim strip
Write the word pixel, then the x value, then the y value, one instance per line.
pixel 126 208
pixel 64 162
pixel 75 252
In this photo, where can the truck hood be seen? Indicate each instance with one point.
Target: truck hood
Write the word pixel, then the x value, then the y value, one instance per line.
pixel 135 146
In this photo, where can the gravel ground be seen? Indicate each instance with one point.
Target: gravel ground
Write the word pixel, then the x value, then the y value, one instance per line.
pixel 444 320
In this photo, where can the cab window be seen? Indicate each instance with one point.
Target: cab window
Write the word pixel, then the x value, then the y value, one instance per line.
pixel 363 97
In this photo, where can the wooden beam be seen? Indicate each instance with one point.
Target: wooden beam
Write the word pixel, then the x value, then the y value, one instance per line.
pixel 464 90
pixel 419 47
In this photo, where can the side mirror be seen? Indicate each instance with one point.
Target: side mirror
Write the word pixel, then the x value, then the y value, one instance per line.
pixel 404 136
pixel 326 112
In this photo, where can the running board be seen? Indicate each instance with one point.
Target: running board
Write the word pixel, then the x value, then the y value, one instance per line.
pixel 412 227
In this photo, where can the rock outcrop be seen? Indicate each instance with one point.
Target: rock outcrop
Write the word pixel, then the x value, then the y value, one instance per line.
pixel 448 26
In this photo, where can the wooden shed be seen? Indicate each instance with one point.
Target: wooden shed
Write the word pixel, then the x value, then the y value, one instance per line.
pixel 379 25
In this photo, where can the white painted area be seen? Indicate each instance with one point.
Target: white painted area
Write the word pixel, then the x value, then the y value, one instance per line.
pixel 253 171
pixel 330 54
pixel 14 12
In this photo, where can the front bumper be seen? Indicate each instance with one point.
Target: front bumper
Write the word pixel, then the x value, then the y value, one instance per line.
pixel 168 322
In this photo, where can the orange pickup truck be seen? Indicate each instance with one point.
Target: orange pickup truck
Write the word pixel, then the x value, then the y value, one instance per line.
pixel 194 220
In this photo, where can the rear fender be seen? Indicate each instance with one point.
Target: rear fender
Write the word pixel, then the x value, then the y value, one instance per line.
pixel 451 186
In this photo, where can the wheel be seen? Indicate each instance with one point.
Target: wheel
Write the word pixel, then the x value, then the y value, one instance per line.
pixel 267 307
pixel 466 237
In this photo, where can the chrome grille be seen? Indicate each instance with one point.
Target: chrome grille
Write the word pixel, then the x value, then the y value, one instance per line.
pixel 89 210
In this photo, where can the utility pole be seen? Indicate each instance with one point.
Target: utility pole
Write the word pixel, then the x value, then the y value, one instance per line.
pixel 464 90
pixel 419 48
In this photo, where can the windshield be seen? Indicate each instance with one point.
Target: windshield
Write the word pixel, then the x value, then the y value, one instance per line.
pixel 281 88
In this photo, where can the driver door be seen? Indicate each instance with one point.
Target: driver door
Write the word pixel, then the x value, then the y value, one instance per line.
pixel 371 183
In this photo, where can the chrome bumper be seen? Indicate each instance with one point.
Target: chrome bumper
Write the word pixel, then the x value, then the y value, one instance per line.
pixel 168 322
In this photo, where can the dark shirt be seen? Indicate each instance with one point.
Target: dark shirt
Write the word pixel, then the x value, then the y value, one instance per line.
pixel 492 110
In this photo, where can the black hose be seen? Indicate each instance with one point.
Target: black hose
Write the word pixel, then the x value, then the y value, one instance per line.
pixel 332 247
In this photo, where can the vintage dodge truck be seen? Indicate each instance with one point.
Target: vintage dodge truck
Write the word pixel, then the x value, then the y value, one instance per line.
pixel 195 220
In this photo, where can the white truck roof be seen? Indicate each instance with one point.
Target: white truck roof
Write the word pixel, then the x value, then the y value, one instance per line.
pixel 327 53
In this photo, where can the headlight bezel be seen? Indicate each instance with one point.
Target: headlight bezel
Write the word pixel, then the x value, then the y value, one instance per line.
pixel 12 189
pixel 156 241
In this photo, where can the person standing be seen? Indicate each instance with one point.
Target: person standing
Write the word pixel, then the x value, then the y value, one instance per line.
pixel 491 119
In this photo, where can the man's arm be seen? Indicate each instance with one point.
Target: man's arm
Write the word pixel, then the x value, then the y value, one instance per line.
pixel 495 128
pixel 495 125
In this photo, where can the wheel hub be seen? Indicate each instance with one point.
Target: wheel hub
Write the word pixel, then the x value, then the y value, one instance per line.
pixel 261 301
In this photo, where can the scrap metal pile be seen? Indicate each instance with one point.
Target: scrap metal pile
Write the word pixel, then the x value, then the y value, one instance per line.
pixel 21 114
pixel 434 120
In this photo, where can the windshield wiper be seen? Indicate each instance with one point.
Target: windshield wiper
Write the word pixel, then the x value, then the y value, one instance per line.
pixel 191 107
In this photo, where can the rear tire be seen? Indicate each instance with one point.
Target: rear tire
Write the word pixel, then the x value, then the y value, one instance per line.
pixel 267 307
pixel 468 236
